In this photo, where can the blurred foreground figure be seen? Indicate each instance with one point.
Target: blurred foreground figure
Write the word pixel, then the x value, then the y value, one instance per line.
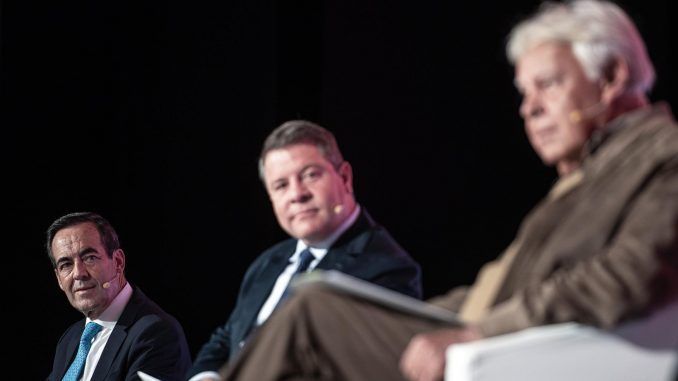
pixel 601 248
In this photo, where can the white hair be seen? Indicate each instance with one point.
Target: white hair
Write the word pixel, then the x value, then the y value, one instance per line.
pixel 597 31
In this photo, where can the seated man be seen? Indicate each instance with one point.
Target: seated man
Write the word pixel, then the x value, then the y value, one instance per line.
pixel 311 189
pixel 601 248
pixel 123 331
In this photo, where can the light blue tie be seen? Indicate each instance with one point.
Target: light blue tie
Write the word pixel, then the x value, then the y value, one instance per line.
pixel 77 366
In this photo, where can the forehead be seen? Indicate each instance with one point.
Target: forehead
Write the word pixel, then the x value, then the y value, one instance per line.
pixel 281 161
pixel 545 60
pixel 74 238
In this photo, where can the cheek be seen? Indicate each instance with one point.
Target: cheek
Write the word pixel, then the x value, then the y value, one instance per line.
pixel 529 132
pixel 278 205
pixel 280 213
pixel 331 194
pixel 578 136
pixel 64 283
pixel 559 106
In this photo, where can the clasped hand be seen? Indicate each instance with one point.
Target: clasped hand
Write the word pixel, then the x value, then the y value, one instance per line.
pixel 424 357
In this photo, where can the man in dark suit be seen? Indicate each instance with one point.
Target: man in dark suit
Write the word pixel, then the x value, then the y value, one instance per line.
pixel 311 189
pixel 123 331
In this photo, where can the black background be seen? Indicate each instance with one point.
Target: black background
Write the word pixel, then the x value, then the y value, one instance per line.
pixel 153 114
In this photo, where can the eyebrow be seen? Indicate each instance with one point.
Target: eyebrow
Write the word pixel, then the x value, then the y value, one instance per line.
pixel 85 251
pixel 302 170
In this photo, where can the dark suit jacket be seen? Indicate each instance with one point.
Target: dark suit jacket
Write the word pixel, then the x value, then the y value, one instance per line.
pixel 145 338
pixel 366 250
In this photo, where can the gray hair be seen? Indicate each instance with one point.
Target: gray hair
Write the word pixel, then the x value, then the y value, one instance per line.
pixel 301 132
pixel 597 31
pixel 109 238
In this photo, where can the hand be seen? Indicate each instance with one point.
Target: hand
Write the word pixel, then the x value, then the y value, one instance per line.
pixel 424 357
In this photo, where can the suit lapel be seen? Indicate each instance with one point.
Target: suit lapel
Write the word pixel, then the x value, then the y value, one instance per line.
pixel 338 258
pixel 71 348
pixel 341 255
pixel 345 251
pixel 266 280
pixel 118 335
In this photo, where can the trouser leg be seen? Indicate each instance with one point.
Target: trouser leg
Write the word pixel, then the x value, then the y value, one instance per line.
pixel 323 335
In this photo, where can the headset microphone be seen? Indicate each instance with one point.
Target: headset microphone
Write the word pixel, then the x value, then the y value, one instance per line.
pixel 579 115
pixel 338 208
pixel 107 285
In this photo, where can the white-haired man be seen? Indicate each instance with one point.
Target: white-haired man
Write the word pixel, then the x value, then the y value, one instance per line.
pixel 601 247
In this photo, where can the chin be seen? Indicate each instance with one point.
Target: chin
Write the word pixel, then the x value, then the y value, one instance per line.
pixel 85 308
pixel 309 236
pixel 306 230
pixel 549 158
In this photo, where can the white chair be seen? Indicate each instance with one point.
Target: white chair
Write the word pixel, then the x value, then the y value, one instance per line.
pixel 645 349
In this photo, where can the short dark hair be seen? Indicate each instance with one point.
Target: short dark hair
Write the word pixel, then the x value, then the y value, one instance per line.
pixel 109 238
pixel 300 132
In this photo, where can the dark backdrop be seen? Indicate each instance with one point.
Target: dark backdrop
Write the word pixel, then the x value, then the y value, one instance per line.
pixel 153 114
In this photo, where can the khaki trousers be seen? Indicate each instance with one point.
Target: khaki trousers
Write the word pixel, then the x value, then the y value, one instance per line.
pixel 323 335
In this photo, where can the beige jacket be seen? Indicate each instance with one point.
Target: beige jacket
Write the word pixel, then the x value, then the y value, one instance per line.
pixel 605 249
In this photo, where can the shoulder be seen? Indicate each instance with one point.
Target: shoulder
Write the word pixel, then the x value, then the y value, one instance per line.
pixel 370 236
pixel 143 314
pixel 73 331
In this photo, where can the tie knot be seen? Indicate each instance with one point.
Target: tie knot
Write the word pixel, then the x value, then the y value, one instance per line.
pixel 305 259
pixel 91 330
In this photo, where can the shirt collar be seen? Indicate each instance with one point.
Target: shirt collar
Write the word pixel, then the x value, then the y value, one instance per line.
pixel 112 313
pixel 322 247
pixel 599 136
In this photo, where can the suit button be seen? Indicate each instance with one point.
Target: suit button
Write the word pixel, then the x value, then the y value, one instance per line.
pixel 241 343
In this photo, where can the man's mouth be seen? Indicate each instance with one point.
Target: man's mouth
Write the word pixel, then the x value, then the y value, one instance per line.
pixel 544 135
pixel 83 289
pixel 305 213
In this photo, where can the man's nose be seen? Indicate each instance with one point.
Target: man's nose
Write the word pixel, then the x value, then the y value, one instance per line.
pixel 530 107
pixel 80 270
pixel 300 192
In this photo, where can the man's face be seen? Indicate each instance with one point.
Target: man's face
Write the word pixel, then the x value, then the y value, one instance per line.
pixel 555 89
pixel 310 198
pixel 82 267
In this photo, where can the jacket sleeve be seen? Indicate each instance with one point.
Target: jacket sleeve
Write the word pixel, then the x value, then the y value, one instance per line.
pixel 213 354
pixel 636 270
pixel 160 350
pixel 217 351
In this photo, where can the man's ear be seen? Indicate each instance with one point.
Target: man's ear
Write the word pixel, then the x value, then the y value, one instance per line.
pixel 615 79
pixel 346 173
pixel 119 258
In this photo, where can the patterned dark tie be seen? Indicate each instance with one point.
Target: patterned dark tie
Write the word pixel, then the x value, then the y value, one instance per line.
pixel 78 365
pixel 305 259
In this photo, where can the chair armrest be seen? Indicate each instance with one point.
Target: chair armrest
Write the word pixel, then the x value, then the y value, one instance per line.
pixel 646 349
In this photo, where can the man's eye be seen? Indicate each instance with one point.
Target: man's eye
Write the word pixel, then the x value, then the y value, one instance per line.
pixel 64 266
pixel 549 82
pixel 312 175
pixel 89 258
pixel 279 186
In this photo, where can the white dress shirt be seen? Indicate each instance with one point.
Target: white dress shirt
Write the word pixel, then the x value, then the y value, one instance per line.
pixel 107 320
pixel 319 251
